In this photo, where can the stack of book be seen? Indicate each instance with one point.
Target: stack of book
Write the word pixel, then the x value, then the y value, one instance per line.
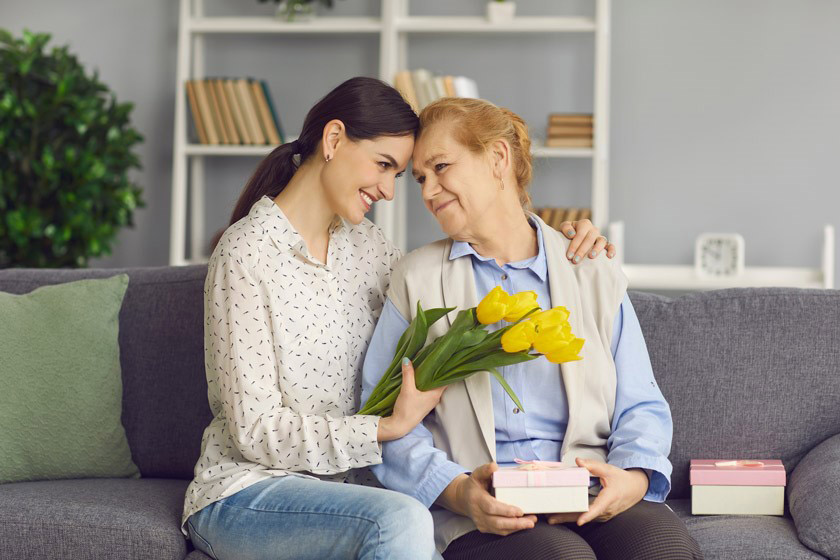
pixel 569 130
pixel 233 111
pixel 421 87
pixel 556 216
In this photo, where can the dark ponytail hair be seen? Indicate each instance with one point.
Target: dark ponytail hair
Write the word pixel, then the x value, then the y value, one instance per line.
pixel 369 108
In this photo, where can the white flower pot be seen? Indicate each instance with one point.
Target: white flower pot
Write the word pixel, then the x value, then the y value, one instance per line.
pixel 500 12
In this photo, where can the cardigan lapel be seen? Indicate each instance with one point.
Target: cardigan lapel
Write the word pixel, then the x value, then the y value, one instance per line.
pixel 459 291
pixel 563 287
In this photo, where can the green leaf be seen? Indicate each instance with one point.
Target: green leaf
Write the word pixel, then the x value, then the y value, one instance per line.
pixel 506 387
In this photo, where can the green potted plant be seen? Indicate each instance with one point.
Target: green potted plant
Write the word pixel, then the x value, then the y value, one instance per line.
pixel 297 10
pixel 65 153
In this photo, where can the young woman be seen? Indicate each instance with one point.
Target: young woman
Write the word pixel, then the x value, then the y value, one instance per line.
pixel 293 291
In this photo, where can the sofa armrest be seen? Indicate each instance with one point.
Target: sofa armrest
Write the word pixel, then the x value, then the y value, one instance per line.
pixel 814 498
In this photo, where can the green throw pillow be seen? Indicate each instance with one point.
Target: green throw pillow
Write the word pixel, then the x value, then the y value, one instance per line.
pixel 60 383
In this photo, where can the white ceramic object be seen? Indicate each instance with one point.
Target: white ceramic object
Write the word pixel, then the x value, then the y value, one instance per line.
pixel 500 12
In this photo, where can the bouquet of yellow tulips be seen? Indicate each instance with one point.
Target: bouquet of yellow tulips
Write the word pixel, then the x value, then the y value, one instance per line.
pixel 468 348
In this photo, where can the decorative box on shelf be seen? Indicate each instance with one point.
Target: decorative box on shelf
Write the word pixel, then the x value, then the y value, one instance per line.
pixel 737 487
pixel 543 487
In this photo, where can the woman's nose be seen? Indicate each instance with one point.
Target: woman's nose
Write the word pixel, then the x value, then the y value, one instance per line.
pixel 430 188
pixel 386 189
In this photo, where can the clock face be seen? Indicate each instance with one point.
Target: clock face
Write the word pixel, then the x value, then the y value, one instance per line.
pixel 720 255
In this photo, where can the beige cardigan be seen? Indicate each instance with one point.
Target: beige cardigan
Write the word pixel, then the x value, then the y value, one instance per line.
pixel 463 425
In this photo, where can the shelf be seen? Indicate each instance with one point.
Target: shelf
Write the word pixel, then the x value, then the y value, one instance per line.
pixel 538 151
pixel 227 150
pixel 482 25
pixel 666 277
pixel 541 151
pixel 272 25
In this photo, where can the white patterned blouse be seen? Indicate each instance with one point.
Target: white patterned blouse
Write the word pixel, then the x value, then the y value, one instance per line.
pixel 284 340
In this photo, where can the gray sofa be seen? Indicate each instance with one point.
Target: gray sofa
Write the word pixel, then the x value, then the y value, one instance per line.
pixel 751 373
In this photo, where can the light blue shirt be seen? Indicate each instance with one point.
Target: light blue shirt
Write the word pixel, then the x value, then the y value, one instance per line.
pixel 641 427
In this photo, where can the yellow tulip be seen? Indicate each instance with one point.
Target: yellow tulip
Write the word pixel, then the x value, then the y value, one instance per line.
pixel 520 304
pixel 551 317
pixel 519 337
pixel 570 353
pixel 552 339
pixel 493 307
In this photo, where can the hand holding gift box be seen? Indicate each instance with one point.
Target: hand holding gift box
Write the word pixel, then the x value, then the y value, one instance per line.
pixel 543 487
pixel 737 487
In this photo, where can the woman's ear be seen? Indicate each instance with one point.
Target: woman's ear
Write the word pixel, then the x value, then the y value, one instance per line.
pixel 332 138
pixel 500 158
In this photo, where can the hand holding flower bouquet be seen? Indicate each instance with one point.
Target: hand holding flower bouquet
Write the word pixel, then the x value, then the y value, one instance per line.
pixel 468 348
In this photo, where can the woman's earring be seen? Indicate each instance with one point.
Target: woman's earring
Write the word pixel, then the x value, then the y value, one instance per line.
pixel 502 182
pixel 327 158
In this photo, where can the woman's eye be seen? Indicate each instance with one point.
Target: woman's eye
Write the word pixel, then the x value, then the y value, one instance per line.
pixel 439 166
pixel 420 179
pixel 385 164
pixel 400 174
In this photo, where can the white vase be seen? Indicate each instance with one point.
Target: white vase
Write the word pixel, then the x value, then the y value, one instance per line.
pixel 500 12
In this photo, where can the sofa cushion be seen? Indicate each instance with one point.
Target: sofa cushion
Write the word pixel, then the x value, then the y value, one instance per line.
pixel 813 493
pixel 748 373
pixel 89 519
pixel 745 537
pixel 60 383
pixel 165 408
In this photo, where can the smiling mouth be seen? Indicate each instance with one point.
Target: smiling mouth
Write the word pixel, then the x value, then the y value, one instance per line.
pixel 366 200
pixel 444 205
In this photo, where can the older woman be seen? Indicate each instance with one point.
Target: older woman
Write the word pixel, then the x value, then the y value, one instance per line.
pixel 604 413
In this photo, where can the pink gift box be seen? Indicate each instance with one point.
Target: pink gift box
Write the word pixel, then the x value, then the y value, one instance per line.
pixel 737 473
pixel 540 473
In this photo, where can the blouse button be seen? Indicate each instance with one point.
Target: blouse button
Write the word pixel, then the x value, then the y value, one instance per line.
pixel 504 276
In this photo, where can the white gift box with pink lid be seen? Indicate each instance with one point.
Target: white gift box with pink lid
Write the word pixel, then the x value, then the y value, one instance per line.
pixel 737 487
pixel 543 487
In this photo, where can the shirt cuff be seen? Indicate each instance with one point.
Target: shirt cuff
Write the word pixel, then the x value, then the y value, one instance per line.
pixel 363 438
pixel 658 471
pixel 436 481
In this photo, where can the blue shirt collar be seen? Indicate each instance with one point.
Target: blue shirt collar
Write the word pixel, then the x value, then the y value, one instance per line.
pixel 538 264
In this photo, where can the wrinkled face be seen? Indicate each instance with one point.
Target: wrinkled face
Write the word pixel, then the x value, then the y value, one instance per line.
pixel 363 172
pixel 458 185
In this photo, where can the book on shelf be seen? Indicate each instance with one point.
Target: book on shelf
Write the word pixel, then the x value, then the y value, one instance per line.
pixel 243 93
pixel 560 142
pixel 227 116
pixel 205 113
pixel 266 122
pixel 554 217
pixel 233 111
pixel 570 118
pixel 236 111
pixel 560 131
pixel 196 113
pixel 420 87
pixel 216 112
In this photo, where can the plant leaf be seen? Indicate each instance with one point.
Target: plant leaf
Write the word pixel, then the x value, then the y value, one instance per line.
pixel 506 387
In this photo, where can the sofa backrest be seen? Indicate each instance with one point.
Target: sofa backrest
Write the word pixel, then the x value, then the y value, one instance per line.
pixel 165 407
pixel 749 373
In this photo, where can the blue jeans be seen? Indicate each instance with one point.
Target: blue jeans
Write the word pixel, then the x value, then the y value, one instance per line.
pixel 302 518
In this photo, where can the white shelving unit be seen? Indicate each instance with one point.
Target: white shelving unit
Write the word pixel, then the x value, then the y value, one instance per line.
pixel 684 277
pixel 393 28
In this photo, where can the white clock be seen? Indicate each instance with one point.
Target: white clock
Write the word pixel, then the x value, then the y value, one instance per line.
pixel 719 254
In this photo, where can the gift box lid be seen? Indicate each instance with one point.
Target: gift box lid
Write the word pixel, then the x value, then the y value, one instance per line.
pixel 540 473
pixel 737 473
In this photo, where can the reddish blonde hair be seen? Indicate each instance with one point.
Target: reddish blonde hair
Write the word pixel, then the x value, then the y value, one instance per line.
pixel 479 123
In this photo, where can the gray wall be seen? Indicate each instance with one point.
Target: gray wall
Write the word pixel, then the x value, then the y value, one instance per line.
pixel 725 113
